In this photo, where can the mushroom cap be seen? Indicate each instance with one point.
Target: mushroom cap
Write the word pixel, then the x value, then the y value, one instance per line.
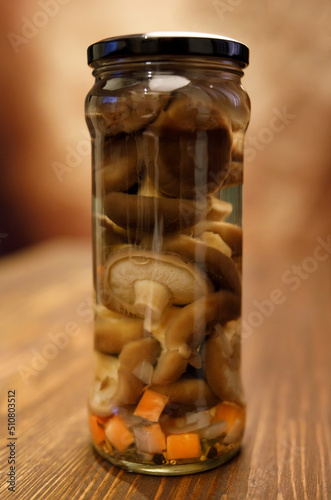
pixel 230 233
pixel 113 330
pixel 182 282
pixel 145 213
pixel 235 174
pixel 222 362
pixel 215 241
pixel 187 148
pixel 220 209
pixel 127 109
pixel 105 384
pixel 221 268
pixel 188 328
pixel 191 109
pixel 117 165
pixel 131 358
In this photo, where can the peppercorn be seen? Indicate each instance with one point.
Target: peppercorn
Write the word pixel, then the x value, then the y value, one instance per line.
pixel 212 453
pixel 158 459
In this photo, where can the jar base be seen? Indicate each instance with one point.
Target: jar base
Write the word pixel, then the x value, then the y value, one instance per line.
pixel 169 469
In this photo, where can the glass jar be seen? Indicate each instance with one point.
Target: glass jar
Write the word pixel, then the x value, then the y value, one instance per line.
pixel 167 117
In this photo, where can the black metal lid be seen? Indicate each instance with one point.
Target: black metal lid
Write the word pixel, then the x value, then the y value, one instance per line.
pixel 168 43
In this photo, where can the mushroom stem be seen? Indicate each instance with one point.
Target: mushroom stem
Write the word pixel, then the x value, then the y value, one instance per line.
pixel 151 298
pixel 190 326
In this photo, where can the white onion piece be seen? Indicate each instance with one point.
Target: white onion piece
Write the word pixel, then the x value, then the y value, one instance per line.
pixel 200 418
pixel 190 423
pixel 145 442
pixel 215 430
pixel 128 417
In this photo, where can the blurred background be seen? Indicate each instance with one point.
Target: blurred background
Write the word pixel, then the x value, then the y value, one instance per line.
pixel 45 78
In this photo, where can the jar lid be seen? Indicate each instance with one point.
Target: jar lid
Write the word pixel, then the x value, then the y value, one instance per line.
pixel 168 43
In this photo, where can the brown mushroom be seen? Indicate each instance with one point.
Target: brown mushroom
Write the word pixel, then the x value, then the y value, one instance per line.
pixel 187 148
pixel 187 330
pixel 114 330
pixel 147 188
pixel 128 109
pixel 171 364
pixel 188 392
pixel 145 213
pixel 105 384
pixel 108 238
pixel 118 167
pixel 219 210
pixel 170 367
pixel 220 268
pixel 144 283
pixel 222 362
pixel 235 173
pixel 132 356
pixel 157 328
pixel 230 234
pixel 215 241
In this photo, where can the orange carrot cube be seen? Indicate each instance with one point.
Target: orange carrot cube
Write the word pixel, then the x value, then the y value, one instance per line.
pixel 97 428
pixel 151 405
pixel 229 412
pixel 118 434
pixel 183 446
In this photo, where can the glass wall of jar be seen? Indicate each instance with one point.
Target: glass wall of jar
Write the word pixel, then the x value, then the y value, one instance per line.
pixel 167 117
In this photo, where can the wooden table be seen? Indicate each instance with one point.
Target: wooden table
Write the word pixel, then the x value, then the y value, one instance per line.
pixel 46 358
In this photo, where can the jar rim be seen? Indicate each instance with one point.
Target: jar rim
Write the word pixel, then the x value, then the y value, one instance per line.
pixel 168 43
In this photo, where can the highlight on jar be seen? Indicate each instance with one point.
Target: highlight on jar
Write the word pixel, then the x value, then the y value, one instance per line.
pixel 167 161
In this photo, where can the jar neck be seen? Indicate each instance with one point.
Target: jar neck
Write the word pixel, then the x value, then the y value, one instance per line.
pixel 192 67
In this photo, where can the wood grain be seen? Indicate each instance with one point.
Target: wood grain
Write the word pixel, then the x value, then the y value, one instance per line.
pixel 286 370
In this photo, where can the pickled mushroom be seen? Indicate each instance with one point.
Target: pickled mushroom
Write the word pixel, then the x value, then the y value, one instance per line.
pixel 147 188
pixel 158 327
pixel 187 330
pixel 219 210
pixel 215 241
pixel 143 283
pixel 235 174
pixel 114 330
pixel 171 365
pixel 191 392
pixel 105 384
pixel 128 109
pixel 222 362
pixel 220 268
pixel 131 358
pixel 120 164
pixel 230 233
pixel 144 213
pixel 191 129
